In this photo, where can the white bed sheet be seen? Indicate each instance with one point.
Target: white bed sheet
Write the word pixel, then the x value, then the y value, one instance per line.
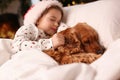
pixel 35 65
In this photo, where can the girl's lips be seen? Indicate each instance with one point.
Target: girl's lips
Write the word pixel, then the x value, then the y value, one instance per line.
pixel 54 29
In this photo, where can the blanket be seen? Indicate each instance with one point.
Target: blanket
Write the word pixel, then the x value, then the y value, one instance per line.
pixel 35 65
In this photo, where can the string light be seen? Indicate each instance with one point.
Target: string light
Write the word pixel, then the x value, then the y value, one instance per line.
pixel 73 2
pixel 68 5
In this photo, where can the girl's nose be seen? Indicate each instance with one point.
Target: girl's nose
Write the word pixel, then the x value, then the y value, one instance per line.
pixel 56 24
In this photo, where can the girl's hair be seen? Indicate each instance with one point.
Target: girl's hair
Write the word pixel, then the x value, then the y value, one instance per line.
pixel 52 7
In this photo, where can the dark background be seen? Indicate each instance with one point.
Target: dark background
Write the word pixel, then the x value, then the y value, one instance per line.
pixel 10 22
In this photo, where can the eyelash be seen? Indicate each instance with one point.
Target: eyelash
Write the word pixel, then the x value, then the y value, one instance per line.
pixel 54 20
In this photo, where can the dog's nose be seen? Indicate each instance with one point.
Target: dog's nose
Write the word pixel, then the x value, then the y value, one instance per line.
pixel 100 51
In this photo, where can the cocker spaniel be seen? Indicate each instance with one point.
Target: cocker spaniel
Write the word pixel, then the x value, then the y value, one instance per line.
pixel 81 45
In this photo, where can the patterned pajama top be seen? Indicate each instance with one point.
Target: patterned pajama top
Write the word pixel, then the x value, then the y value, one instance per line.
pixel 29 36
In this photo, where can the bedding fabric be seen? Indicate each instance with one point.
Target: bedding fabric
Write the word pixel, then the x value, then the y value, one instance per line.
pixel 5 50
pixel 35 65
pixel 108 66
pixel 102 15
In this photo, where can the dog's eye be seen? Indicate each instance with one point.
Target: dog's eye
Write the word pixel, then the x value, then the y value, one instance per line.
pixel 86 42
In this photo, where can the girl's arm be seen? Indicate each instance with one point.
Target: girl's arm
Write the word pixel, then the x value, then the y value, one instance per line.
pixel 28 37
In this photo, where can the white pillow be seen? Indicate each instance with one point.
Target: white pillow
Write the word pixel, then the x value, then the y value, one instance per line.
pixel 5 50
pixel 108 65
pixel 102 15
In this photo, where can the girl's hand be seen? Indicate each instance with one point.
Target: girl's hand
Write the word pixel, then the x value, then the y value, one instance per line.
pixel 58 40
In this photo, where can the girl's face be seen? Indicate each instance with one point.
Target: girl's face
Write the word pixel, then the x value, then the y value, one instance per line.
pixel 49 22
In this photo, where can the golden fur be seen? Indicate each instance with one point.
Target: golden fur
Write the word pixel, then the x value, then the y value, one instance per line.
pixel 81 45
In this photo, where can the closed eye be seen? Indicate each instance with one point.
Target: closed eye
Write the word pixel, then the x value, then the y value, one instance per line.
pixel 54 20
pixel 87 42
pixel 51 19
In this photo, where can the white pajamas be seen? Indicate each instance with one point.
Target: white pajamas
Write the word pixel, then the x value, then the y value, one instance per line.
pixel 29 36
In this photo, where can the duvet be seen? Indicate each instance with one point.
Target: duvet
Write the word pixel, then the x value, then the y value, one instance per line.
pixel 36 65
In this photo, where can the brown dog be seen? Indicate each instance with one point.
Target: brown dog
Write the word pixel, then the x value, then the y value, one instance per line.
pixel 81 45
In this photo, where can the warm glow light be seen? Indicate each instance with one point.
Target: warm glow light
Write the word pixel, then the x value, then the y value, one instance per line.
pixel 73 2
pixel 68 5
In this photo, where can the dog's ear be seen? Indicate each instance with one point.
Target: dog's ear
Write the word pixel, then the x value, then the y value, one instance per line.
pixel 80 41
pixel 78 30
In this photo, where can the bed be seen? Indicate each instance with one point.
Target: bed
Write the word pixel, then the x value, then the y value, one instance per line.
pixel 103 16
